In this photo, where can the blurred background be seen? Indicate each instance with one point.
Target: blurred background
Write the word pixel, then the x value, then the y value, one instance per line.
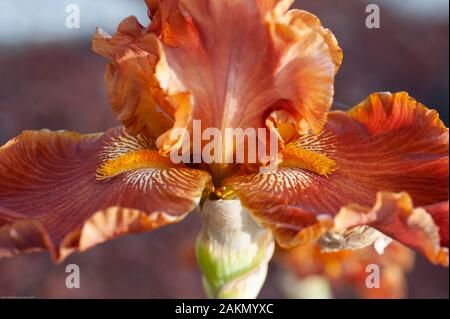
pixel 49 78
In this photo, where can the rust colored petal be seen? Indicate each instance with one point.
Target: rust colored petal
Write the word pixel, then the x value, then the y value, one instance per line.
pixel 237 61
pixel 51 199
pixel 388 143
pixel 394 215
pixel 301 17
pixel 131 87
pixel 439 213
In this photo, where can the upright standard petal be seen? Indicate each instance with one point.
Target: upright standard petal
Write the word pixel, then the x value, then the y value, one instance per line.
pixel 51 199
pixel 388 143
pixel 131 87
pixel 236 61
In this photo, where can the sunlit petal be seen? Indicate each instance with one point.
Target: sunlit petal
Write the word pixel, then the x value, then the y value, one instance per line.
pixel 388 143
pixel 51 199
pixel 234 62
pixel 394 215
pixel 132 90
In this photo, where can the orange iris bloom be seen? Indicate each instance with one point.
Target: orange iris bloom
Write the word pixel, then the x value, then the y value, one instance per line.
pixel 344 178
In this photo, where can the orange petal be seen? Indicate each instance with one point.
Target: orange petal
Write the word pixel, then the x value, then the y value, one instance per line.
pixel 301 17
pixel 132 91
pixel 235 67
pixel 50 197
pixel 394 215
pixel 388 143
pixel 439 213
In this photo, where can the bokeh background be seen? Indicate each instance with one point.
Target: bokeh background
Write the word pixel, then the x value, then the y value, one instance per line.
pixel 49 78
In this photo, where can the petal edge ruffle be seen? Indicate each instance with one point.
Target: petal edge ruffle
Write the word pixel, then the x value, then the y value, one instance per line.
pixel 50 198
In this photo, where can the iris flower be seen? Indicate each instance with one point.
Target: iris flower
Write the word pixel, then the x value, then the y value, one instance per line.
pixel 346 179
pixel 307 272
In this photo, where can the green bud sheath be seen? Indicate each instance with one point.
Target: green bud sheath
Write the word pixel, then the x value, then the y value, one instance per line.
pixel 232 250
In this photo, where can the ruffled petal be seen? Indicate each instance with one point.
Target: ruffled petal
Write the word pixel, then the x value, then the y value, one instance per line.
pixel 301 17
pixel 131 88
pixel 237 61
pixel 394 215
pixel 51 199
pixel 439 213
pixel 388 143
